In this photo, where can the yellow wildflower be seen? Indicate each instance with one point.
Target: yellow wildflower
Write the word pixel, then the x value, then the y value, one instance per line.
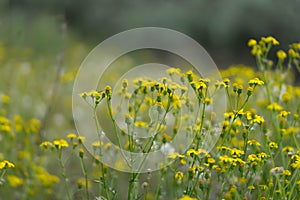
pixel 270 40
pixel 140 124
pixel 296 164
pixel 179 176
pixel 281 55
pixel 274 107
pixel 256 50
pixel 283 113
pixel 286 97
pixel 273 145
pixel 255 82
pixel 175 155
pixel 288 149
pixel 5 99
pixel 15 181
pixel 6 164
pixel 253 142
pixel 81 139
pixel 236 152
pixel 286 172
pixel 251 187
pixel 186 197
pixel 252 42
pixel 96 144
pixel 71 136
pixel 46 144
pixel 61 143
pixel 293 53
pixel 172 71
pixel 192 152
pixel 296 46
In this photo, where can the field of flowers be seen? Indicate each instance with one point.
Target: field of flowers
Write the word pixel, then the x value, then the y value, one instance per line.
pixel 257 155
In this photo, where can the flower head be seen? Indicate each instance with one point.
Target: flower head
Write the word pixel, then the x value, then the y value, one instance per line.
pixel 61 143
pixel 6 164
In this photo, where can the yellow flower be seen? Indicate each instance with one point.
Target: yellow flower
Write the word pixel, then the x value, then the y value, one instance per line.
pixel 296 46
pixel 296 164
pixel 252 42
pixel 46 179
pixel 179 176
pixel 140 124
pixel 288 149
pixel 82 183
pixel 96 144
pixel 253 142
pixel 71 136
pixel 273 145
pixel 211 160
pixel 293 53
pixel 186 197
pixel 174 155
pixel 46 144
pixel 270 40
pixel 172 71
pixel 33 126
pixel 251 187
pixel 274 107
pixel 257 119
pixel 61 143
pixel 256 50
pixel 291 131
pixel 281 55
pixel 263 187
pixel 166 138
pixel 286 172
pixel 5 99
pixel 208 101
pixel 15 181
pixel 249 91
pixel 81 152
pixel 255 82
pixel 226 81
pixel 192 152
pixel 81 139
pixel 236 152
pixel 6 164
pixel 286 97
pixel 283 113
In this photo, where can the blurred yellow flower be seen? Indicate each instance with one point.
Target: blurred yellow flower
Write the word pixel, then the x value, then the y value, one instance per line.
pixel 274 107
pixel 15 181
pixel 46 144
pixel 281 55
pixel 5 99
pixel 186 197
pixel 293 54
pixel 81 139
pixel 252 42
pixel 270 40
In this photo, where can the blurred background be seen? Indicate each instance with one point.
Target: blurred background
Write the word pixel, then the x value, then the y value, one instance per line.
pixel 222 27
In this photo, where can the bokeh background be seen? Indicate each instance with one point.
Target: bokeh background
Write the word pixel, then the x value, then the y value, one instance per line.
pixel 42 43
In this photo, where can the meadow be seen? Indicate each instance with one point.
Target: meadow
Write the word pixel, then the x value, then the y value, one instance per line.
pixel 257 155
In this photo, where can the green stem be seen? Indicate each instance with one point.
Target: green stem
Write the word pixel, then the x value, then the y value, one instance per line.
pixel 63 173
pixel 102 176
pixel 85 178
